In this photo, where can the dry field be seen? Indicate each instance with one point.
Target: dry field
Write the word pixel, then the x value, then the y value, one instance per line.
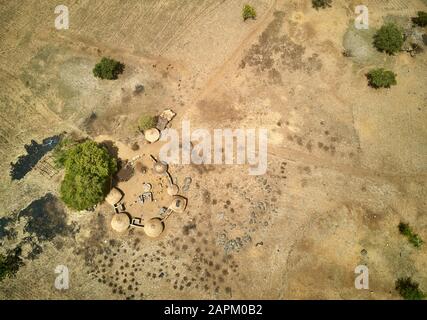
pixel 346 163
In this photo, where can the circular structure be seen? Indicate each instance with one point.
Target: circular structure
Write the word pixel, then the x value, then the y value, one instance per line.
pixel 114 196
pixel 173 190
pixel 160 167
pixel 154 227
pixel 120 222
pixel 152 135
pixel 146 187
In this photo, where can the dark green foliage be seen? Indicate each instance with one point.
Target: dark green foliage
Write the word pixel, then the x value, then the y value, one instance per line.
pixel 108 69
pixel 389 38
pixel 421 20
pixel 248 12
pixel 146 122
pixel 10 263
pixel 321 4
pixel 413 238
pixel 60 152
pixel 408 289
pixel 88 171
pixel 380 78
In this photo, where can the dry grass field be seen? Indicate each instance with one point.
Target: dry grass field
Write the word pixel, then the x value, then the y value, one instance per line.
pixel 346 163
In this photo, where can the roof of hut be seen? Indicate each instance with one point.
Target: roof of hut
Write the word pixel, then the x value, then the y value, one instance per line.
pixel 120 222
pixel 152 135
pixel 114 196
pixel 154 227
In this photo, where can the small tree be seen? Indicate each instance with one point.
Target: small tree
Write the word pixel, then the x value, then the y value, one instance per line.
pixel 409 290
pixel 421 20
pixel 108 69
pixel 88 171
pixel 146 122
pixel 248 12
pixel 413 238
pixel 389 38
pixel 380 78
pixel 321 4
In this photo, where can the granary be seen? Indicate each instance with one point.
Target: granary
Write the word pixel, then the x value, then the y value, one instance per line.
pixel 154 227
pixel 120 222
pixel 114 196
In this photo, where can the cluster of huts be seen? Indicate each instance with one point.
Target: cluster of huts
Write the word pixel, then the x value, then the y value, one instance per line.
pixel 122 220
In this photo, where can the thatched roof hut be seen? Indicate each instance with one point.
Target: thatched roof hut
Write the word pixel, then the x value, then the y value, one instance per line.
pixel 120 222
pixel 114 196
pixel 154 227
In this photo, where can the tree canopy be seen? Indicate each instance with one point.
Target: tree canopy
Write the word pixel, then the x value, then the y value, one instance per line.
pixel 389 38
pixel 88 171
pixel 108 69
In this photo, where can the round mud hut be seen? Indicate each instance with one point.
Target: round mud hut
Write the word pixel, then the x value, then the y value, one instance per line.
pixel 152 135
pixel 114 196
pixel 120 222
pixel 154 227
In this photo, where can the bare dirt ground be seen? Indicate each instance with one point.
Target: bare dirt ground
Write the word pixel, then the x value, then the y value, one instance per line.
pixel 346 163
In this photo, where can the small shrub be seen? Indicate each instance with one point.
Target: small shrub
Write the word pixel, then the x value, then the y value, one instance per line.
pixel 409 290
pixel 248 12
pixel 146 122
pixel 380 78
pixel 421 20
pixel 389 38
pixel 321 4
pixel 108 69
pixel 413 238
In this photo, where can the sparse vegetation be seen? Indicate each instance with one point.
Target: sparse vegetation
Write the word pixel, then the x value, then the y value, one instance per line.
pixel 317 4
pixel 10 263
pixel 88 171
pixel 108 69
pixel 421 19
pixel 413 238
pixel 409 290
pixel 380 78
pixel 389 38
pixel 248 12
pixel 146 122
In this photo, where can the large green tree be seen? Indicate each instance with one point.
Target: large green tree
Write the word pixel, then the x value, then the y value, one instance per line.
pixel 88 171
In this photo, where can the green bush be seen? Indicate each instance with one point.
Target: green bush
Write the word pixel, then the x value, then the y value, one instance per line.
pixel 248 12
pixel 108 69
pixel 380 78
pixel 421 20
pixel 409 290
pixel 321 4
pixel 10 263
pixel 88 171
pixel 413 238
pixel 146 122
pixel 389 38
